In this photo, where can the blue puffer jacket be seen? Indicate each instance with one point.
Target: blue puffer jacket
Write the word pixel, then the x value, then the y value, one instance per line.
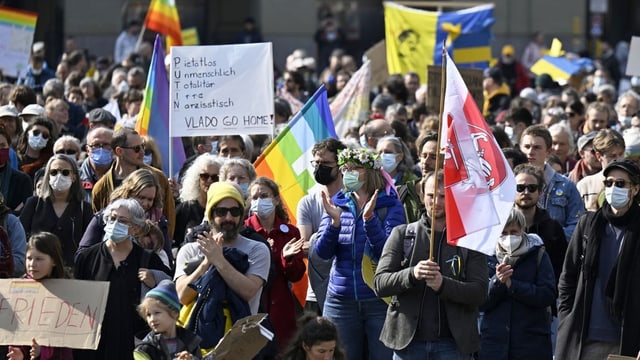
pixel 347 243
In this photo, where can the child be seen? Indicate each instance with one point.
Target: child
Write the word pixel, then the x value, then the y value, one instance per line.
pixel 44 260
pixel 166 340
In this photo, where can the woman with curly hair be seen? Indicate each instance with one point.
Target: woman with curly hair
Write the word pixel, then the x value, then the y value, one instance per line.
pixel 204 171
pixel 269 218
pixel 357 222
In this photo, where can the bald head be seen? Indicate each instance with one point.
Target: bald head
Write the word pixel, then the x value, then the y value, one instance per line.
pixel 374 130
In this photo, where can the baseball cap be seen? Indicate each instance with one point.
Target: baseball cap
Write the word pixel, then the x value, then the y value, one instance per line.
pixel 628 166
pixel 585 139
pixel 8 110
pixel 32 109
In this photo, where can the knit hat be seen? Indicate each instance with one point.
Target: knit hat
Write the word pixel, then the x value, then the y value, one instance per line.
pixel 219 191
pixel 166 292
pixel 508 50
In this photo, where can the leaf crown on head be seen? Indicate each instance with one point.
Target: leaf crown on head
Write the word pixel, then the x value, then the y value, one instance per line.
pixel 365 158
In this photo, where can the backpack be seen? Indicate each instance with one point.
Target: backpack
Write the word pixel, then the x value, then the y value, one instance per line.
pixel 7 265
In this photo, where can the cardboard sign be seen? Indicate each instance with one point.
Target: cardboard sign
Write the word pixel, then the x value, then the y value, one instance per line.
pixel 56 312
pixel 472 77
pixel 243 341
pixel 16 36
pixel 221 90
pixel 633 63
pixel 378 56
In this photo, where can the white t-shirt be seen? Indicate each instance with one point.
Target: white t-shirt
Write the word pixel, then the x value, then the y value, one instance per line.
pixel 259 262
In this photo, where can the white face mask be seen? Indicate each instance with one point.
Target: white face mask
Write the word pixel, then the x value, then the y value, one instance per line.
pixel 37 142
pixel 60 182
pixel 263 207
pixel 510 242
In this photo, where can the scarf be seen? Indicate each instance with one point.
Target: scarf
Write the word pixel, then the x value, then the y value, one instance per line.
pixel 511 258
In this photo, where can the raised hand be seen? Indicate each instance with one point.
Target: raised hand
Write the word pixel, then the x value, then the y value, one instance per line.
pixel 370 206
pixel 35 349
pixel 332 210
pixel 293 247
pixel 503 274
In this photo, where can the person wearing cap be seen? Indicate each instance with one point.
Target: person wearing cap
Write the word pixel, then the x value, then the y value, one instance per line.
pixel 496 94
pixel 588 163
pixel 37 72
pixel 100 117
pixel 11 123
pixel 29 113
pixel 515 74
pixel 166 340
pixel 225 213
pixel 599 300
pixel 608 146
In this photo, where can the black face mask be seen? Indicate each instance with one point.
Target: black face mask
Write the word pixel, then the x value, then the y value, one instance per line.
pixel 323 176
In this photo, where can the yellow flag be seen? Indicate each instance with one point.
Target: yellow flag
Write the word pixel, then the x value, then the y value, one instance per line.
pixel 410 36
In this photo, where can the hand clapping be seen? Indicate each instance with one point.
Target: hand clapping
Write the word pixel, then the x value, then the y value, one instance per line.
pixel 292 247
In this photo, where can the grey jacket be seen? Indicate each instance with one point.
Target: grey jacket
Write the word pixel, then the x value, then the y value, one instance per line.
pixel 461 294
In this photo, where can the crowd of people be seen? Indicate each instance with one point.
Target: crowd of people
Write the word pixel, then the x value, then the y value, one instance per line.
pixel 84 197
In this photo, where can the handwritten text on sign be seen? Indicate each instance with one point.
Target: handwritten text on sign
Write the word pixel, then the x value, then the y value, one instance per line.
pixel 56 312
pixel 221 90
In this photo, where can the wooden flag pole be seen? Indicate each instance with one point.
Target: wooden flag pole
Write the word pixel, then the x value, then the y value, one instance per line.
pixel 443 88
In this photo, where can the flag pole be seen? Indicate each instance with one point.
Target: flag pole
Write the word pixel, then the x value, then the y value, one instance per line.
pixel 443 85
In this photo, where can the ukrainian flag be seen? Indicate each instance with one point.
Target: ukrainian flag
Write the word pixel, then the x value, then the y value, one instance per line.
pixel 559 68
pixel 415 37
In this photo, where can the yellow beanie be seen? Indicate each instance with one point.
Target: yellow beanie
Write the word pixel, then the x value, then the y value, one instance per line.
pixel 219 191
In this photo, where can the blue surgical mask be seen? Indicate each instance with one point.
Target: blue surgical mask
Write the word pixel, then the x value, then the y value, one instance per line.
pixel 351 181
pixel 389 162
pixel 116 231
pixel 147 159
pixel 263 207
pixel 37 142
pixel 101 157
pixel 245 188
pixel 214 147
pixel 616 197
pixel 625 121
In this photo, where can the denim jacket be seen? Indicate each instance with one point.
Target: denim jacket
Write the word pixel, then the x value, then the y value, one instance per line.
pixel 561 199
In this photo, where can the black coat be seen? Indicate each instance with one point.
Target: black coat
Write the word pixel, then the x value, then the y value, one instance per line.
pixel 552 235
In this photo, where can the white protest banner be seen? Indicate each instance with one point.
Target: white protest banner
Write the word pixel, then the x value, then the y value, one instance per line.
pixel 351 106
pixel 56 312
pixel 221 90
pixel 633 62
pixel 16 35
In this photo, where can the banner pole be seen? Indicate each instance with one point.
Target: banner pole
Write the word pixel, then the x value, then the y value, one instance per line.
pixel 443 86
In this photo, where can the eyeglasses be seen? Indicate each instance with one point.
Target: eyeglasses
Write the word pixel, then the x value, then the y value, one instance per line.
pixel 36 132
pixel 315 163
pixel 121 220
pixel 100 146
pixel 213 177
pixel 529 187
pixel 67 151
pixel 136 148
pixel 620 183
pixel 222 211
pixel 64 172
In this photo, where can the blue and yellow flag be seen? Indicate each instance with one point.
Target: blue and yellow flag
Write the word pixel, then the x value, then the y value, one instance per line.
pixel 415 37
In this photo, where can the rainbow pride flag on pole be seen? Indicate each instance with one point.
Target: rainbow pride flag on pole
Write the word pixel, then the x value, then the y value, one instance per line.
pixel 153 119
pixel 287 160
pixel 162 17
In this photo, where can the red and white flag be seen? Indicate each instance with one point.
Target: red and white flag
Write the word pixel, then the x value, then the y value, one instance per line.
pixel 479 185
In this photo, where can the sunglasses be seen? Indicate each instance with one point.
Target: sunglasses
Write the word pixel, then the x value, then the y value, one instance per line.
pixel 67 151
pixel 529 187
pixel 64 172
pixel 136 148
pixel 618 183
pixel 37 132
pixel 205 177
pixel 222 211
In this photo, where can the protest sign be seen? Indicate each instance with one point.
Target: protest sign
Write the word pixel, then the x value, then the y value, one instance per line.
pixel 633 63
pixel 221 90
pixel 56 312
pixel 243 341
pixel 472 77
pixel 16 35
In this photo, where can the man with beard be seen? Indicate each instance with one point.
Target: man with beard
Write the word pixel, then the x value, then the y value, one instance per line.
pixel 309 213
pixel 225 212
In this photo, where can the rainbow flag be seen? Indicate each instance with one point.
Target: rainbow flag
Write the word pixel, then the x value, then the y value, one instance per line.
pixel 153 119
pixel 287 160
pixel 17 28
pixel 162 17
pixel 414 38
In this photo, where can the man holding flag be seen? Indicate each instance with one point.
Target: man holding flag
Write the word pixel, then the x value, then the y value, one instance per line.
pixel 439 285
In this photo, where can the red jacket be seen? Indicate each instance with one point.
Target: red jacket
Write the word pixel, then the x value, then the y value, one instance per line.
pixel 278 300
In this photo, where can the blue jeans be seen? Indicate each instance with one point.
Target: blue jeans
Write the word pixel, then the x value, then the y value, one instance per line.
pixel 358 321
pixel 444 349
